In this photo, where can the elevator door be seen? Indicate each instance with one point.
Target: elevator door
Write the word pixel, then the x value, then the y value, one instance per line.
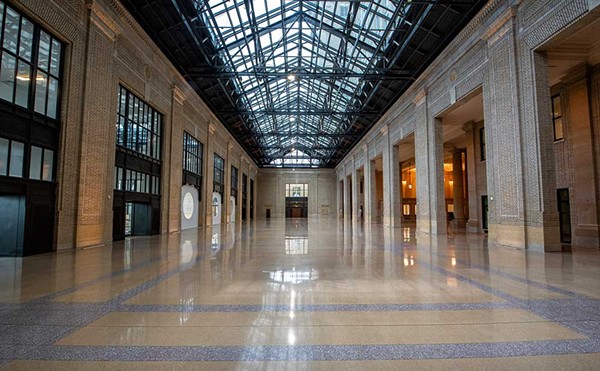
pixel 564 214
pixel 12 225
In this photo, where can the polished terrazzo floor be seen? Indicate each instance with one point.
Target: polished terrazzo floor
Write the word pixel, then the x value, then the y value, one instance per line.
pixel 301 294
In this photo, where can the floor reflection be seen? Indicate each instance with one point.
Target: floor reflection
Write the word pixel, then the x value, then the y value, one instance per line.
pixel 300 283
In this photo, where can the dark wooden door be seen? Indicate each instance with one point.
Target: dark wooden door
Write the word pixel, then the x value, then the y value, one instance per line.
pixel 484 213
pixel 564 212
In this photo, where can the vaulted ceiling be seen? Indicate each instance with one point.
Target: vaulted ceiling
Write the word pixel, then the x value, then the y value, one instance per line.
pixel 298 83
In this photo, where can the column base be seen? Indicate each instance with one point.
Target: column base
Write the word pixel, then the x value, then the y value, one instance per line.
pixel 459 225
pixel 472 226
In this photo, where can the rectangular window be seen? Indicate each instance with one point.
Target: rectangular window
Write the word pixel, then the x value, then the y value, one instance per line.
pixel 234 181
pixel 296 190
pixel 15 166
pixel 135 181
pixel 4 144
pixel 29 52
pixel 244 196
pixel 192 154
pixel 118 178
pixel 48 165
pixel 219 175
pixel 138 126
pixel 482 143
pixel 35 163
pixel 557 118
pixel 406 209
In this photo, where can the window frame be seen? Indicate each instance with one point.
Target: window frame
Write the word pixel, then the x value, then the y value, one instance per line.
pixel 219 187
pixel 34 64
pixel 188 153
pixel 234 181
pixel 42 158
pixel 130 179
pixel 134 123
pixel 290 187
pixel 557 118
pixel 482 144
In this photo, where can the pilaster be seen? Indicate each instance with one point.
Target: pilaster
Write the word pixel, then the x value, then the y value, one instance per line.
pixel 94 217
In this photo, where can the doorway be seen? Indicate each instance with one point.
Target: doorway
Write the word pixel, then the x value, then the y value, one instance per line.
pixel 296 200
pixel 564 213
pixel 138 219
pixel 296 207
pixel 12 225
pixel 484 213
pixel 216 208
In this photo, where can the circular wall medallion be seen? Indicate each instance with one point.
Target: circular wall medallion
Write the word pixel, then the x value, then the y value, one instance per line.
pixel 453 76
pixel 188 205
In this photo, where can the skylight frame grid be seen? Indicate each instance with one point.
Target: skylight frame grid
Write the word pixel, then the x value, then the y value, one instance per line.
pixel 271 34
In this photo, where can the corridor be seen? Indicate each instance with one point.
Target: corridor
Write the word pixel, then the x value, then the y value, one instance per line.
pixel 300 294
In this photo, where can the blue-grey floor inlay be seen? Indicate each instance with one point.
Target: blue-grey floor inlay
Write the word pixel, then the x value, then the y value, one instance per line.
pixel 314 307
pixel 312 352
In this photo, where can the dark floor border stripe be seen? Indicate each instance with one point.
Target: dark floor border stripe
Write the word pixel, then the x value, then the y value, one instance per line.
pixel 315 307
pixel 312 352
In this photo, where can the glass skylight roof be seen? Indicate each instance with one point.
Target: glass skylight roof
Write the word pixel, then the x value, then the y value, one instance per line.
pixel 299 66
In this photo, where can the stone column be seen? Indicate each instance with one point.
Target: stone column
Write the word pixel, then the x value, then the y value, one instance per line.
pixel 436 177
pixel 254 172
pixel 209 166
pixel 369 187
pixel 346 194
pixel 226 216
pixel 279 207
pixel 584 224
pixel 472 223
pixel 458 190
pixel 248 216
pixel 339 195
pixel 355 190
pixel 429 159
pixel 243 166
pixel 391 182
pixel 505 173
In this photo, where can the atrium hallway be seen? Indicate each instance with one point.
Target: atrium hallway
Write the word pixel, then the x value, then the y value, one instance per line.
pixel 299 294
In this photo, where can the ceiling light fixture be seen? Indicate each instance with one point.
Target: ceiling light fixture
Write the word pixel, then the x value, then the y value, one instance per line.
pixel 291 77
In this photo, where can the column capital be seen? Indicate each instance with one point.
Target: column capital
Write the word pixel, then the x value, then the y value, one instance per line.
pixel 468 126
pixel 500 26
pixel 103 20
pixel 420 97
pixel 178 95
pixel 449 147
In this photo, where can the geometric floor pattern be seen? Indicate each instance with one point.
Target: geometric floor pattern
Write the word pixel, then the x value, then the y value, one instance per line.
pixel 301 294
